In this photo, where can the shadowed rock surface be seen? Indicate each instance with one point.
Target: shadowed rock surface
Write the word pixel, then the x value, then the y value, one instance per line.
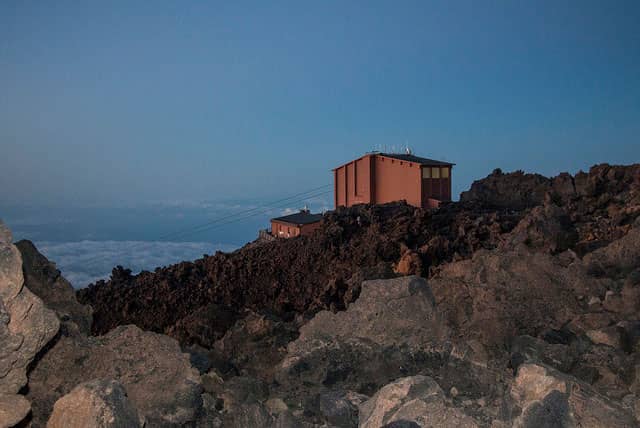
pixel 95 404
pixel 46 282
pixel 158 377
pixel 412 401
pixel 26 326
pixel 549 398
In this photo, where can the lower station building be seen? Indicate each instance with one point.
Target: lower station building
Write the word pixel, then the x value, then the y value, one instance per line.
pixel 299 224
pixel 378 178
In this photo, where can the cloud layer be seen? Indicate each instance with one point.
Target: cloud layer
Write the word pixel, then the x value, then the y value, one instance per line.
pixel 84 262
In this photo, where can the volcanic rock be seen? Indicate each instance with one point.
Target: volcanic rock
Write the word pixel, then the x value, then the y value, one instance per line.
pixel 545 228
pixel 46 282
pixel 263 334
pixel 95 404
pixel 26 326
pixel 391 331
pixel 293 276
pixel 547 397
pixel 412 401
pixel 498 295
pixel 340 408
pixel 515 190
pixel 13 409
pixel 156 375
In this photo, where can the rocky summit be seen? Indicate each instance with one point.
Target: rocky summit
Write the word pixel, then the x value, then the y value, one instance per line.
pixel 518 306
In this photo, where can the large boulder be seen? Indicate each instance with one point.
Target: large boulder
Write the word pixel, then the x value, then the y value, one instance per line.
pixel 416 401
pixel 497 295
pixel 13 409
pixel 387 312
pixel 26 326
pixel 548 398
pixel 261 334
pixel 46 282
pixel 545 228
pixel 156 375
pixel 392 321
pixel 95 404
pixel 391 331
pixel 619 258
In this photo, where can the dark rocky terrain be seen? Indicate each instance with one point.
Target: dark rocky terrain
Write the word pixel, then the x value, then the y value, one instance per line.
pixel 517 306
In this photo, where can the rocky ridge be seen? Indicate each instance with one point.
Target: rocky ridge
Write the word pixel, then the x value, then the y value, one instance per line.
pixel 513 310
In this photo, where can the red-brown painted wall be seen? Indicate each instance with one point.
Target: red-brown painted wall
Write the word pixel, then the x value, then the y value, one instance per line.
pixel 379 179
pixel 397 180
pixel 286 230
pixel 353 182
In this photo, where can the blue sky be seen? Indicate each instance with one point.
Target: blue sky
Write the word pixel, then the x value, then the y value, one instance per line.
pixel 122 105
pixel 125 102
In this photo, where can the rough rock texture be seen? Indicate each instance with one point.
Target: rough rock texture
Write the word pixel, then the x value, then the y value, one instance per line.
pixel 95 404
pixel 395 317
pixel 515 190
pixel 391 331
pixel 46 282
pixel 255 334
pixel 157 376
pixel 497 295
pixel 13 409
pixel 388 312
pixel 242 401
pixel 528 316
pixel 549 398
pixel 307 274
pixel 301 275
pixel 6 237
pixel 545 228
pixel 412 401
pixel 26 326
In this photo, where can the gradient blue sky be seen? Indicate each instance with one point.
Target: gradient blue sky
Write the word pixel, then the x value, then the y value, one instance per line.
pixel 121 103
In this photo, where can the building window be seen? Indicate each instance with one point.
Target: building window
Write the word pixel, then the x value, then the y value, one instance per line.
pixel 445 172
pixel 435 172
pixel 426 172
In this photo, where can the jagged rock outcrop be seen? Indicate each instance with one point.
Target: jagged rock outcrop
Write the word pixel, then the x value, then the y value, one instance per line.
pixel 95 404
pixel 276 276
pixel 157 376
pixel 416 401
pixel 391 319
pixel 498 295
pixel 45 281
pixel 528 316
pixel 516 190
pixel 549 398
pixel 13 409
pixel 580 213
pixel 26 326
pixel 393 330
pixel 263 334
pixel 545 228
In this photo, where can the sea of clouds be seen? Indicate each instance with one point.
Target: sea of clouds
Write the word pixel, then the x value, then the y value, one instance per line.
pixel 84 262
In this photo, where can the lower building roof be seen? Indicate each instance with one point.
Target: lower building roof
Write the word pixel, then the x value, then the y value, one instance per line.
pixel 300 218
